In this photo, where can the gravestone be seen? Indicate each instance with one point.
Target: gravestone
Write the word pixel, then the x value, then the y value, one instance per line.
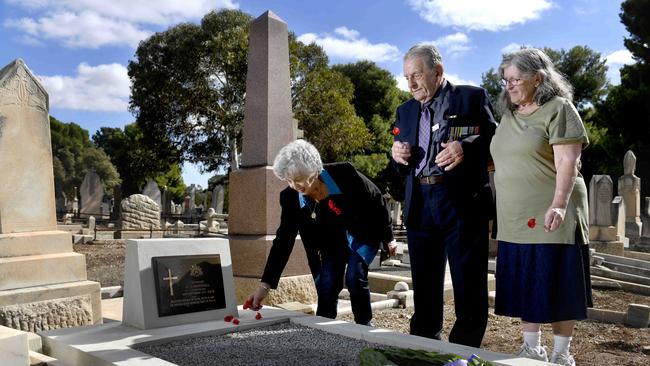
pixel 191 192
pixel 92 195
pixel 217 199
pixel 187 206
pixel 177 281
pixel 152 191
pixel 61 203
pixel 629 187
pixel 606 217
pixel 167 203
pixel 40 274
pixel 117 200
pixel 254 209
pixel 140 218
pixel 644 241
pixel 601 191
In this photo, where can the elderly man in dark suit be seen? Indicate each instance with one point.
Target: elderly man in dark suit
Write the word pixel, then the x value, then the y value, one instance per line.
pixel 441 147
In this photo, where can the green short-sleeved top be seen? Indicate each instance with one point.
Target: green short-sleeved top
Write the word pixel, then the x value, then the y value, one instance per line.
pixel 525 174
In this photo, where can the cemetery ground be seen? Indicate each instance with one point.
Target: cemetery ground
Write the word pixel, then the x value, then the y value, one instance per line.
pixel 594 343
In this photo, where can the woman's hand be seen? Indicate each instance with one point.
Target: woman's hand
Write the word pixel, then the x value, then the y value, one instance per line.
pixel 255 299
pixel 554 218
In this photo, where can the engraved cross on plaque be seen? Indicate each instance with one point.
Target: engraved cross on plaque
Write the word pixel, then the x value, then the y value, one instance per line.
pixel 171 279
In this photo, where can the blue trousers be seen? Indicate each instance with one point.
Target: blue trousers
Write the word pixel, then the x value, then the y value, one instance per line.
pixel 329 283
pixel 438 232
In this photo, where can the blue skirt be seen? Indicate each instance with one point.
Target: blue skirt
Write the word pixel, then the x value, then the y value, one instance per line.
pixel 543 283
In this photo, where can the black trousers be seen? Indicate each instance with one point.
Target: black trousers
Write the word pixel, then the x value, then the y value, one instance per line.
pixel 442 231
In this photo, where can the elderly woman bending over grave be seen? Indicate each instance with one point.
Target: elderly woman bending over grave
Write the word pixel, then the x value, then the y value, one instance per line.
pixel 342 219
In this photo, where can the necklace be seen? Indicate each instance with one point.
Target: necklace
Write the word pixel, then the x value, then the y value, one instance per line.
pixel 313 210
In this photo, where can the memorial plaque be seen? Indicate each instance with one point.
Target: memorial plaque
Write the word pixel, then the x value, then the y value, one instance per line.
pixel 188 284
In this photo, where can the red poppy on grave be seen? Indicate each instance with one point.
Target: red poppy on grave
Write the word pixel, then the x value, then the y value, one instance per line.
pixel 228 318
pixel 247 304
pixel 395 131
pixel 258 316
pixel 235 321
pixel 532 222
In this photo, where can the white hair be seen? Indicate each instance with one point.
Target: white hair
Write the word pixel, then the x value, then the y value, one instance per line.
pixel 298 158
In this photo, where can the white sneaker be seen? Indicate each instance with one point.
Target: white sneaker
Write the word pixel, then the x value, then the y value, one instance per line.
pixel 564 359
pixel 537 353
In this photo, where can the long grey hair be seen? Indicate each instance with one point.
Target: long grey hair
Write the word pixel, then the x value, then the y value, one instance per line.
pixel 530 62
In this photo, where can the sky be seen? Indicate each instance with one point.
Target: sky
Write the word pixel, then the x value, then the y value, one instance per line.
pixel 80 48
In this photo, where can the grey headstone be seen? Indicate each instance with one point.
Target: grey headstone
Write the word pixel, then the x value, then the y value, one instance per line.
pixel 92 194
pixel 187 205
pixel 217 199
pixel 117 201
pixel 166 202
pixel 91 223
pixel 26 175
pixel 152 191
pixel 61 202
pixel 629 187
pixel 191 192
pixel 601 190
pixel 618 217
pixel 646 220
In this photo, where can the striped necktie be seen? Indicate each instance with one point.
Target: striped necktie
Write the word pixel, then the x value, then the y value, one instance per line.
pixel 424 137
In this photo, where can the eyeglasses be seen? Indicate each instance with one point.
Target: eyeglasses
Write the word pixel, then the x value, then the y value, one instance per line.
pixel 513 82
pixel 303 182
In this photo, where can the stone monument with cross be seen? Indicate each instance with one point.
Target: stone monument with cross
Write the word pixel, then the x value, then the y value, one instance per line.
pixel 629 187
pixel 254 209
pixel 40 274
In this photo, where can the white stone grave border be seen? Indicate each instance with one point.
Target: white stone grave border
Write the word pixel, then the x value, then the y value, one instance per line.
pixel 111 343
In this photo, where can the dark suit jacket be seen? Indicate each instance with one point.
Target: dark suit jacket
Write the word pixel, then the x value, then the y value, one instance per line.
pixel 363 214
pixel 469 106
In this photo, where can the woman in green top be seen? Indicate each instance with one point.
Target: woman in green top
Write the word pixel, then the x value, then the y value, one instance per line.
pixel 542 263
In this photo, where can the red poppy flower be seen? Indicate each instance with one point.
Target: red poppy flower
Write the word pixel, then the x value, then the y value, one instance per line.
pixel 247 304
pixel 258 316
pixel 395 131
pixel 532 222
pixel 333 207
pixel 228 318
pixel 235 321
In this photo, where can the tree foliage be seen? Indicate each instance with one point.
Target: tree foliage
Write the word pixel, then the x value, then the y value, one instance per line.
pixel 625 114
pixel 74 155
pixel 376 97
pixel 137 161
pixel 189 84
pixel 583 67
pixel 328 118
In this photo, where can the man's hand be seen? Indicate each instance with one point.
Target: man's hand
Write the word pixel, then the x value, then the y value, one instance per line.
pixel 401 152
pixel 450 156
